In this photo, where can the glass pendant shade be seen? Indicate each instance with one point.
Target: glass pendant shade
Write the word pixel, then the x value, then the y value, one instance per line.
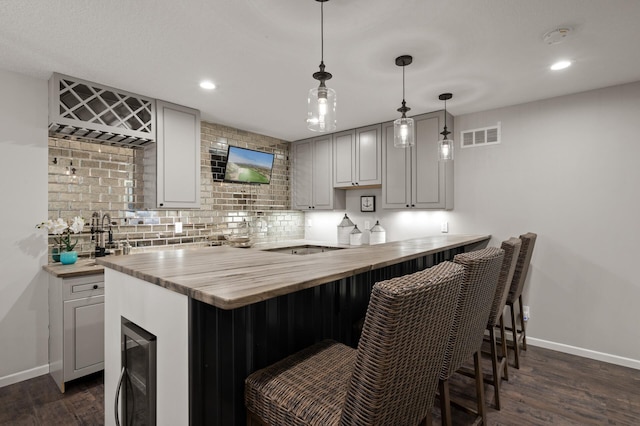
pixel 445 150
pixel 403 134
pixel 321 109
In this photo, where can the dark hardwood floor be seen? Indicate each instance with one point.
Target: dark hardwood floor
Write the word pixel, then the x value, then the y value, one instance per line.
pixel 551 388
pixel 39 402
pixel 554 388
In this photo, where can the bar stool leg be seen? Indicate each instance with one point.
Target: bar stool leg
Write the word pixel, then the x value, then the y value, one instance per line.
pixel 480 387
pixel 514 334
pixel 427 421
pixel 505 355
pixel 522 324
pixel 445 402
pixel 495 368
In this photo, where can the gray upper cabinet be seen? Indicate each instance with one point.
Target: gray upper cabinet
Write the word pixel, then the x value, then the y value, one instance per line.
pixel 344 147
pixel 301 188
pixel 172 165
pixel 396 172
pixel 413 177
pixel 312 184
pixel 357 157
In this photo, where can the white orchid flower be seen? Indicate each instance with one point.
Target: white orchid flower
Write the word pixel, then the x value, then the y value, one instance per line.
pixel 58 227
pixel 62 228
pixel 77 225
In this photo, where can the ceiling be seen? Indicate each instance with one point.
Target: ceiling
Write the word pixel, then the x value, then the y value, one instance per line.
pixel 261 53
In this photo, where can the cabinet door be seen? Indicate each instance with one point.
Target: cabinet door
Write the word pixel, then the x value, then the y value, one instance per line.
pixel 368 151
pixel 83 336
pixel 432 180
pixel 178 156
pixel 322 170
pixel 344 161
pixel 302 175
pixel 396 172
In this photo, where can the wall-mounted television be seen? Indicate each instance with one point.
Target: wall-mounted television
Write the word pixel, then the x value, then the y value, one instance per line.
pixel 248 166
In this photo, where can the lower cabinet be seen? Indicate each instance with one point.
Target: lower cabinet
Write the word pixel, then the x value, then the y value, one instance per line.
pixel 76 327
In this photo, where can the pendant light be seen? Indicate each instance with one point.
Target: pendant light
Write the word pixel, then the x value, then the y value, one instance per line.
pixel 445 146
pixel 321 103
pixel 403 135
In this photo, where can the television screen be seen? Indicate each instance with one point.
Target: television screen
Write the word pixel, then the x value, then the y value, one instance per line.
pixel 248 166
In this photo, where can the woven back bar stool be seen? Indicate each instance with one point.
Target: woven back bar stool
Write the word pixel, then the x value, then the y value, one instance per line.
pixel 519 334
pixel 392 377
pixel 511 249
pixel 482 269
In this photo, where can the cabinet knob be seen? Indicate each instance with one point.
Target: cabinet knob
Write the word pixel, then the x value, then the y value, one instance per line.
pixel 313 207
pixel 161 204
pixel 357 183
pixel 95 286
pixel 407 205
pixel 413 205
pixel 352 184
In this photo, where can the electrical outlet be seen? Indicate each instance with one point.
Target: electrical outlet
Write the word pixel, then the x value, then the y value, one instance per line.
pixel 444 227
pixel 367 224
pixel 526 313
pixel 309 223
pixel 178 227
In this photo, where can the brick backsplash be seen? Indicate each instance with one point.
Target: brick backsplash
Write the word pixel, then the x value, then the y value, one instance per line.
pixel 87 177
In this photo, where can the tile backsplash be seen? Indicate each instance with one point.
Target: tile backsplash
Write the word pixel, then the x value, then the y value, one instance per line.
pixel 86 177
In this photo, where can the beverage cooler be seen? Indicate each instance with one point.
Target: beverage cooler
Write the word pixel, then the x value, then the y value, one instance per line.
pixel 135 402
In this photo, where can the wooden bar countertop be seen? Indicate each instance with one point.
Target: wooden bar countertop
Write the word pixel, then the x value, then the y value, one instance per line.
pixel 80 268
pixel 229 278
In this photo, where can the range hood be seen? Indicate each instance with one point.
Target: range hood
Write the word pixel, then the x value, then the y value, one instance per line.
pixel 82 110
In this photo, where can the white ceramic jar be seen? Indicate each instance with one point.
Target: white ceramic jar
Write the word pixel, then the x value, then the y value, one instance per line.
pixel 344 229
pixel 377 234
pixel 355 237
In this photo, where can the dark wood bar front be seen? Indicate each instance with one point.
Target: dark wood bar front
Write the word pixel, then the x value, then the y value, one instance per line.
pixel 228 345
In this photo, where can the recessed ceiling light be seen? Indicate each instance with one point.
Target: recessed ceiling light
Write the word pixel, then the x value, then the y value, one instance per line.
pixel 560 65
pixel 207 85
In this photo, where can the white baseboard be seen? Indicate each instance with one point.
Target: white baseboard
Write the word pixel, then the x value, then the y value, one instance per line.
pixel 586 353
pixel 23 375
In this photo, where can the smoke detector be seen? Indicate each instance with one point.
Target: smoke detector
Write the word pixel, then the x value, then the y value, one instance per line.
pixel 557 35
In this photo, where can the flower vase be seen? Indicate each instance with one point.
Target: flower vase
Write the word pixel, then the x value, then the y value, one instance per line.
pixel 68 257
pixel 55 254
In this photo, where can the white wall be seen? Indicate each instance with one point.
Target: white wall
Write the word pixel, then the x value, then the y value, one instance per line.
pixel 24 314
pixel 568 170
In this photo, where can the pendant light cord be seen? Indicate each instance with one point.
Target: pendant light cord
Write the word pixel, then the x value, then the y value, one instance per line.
pixel 322 32
pixel 403 84
pixel 445 117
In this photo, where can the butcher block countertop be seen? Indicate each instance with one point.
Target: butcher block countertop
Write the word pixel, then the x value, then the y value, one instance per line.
pixel 81 267
pixel 229 278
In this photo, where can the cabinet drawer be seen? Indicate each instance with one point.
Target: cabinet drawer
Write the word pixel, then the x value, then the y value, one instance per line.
pixel 85 286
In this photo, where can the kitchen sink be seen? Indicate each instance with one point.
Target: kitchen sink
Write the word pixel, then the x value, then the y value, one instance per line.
pixel 304 249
